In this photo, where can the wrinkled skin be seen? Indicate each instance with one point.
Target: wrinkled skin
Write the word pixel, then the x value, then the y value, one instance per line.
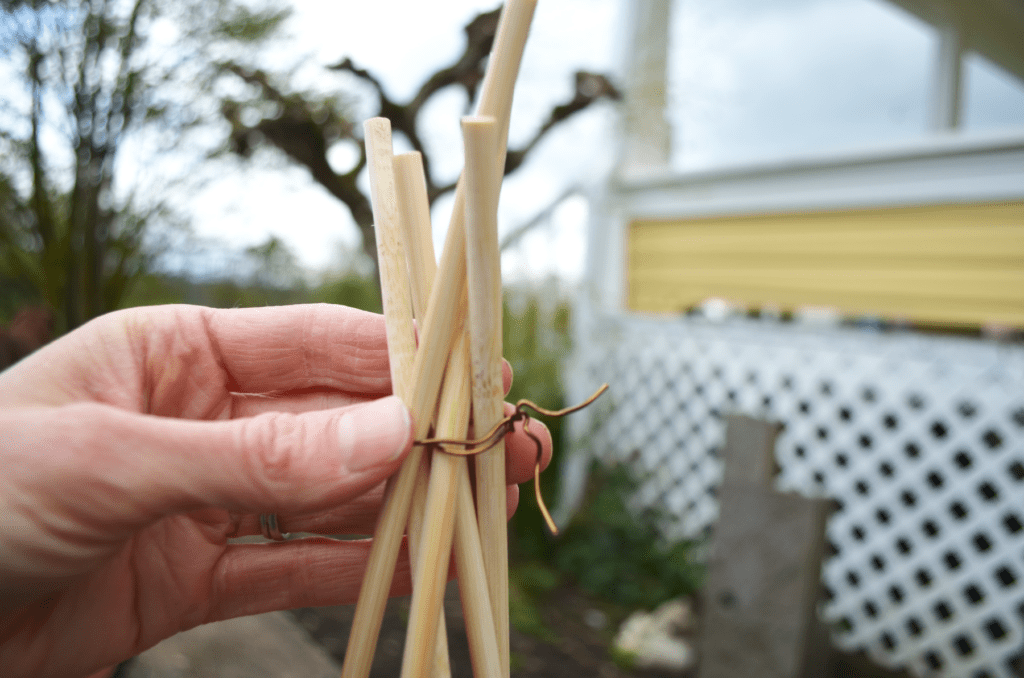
pixel 136 447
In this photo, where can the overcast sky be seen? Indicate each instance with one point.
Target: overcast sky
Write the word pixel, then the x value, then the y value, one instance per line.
pixel 750 81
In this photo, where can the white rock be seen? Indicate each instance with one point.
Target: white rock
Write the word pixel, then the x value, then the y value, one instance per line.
pixel 653 637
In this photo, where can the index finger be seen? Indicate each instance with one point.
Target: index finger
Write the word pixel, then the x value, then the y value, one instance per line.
pixel 289 348
pixel 187 361
pixel 194 361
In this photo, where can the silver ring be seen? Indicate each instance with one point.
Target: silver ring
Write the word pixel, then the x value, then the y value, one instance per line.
pixel 270 527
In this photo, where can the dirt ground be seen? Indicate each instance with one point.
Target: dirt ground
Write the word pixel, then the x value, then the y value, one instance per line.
pixel 311 643
pixel 576 650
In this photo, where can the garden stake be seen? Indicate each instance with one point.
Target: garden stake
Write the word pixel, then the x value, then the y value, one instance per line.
pixel 445 308
pixel 442 502
pixel 414 218
pixel 483 275
pixel 401 350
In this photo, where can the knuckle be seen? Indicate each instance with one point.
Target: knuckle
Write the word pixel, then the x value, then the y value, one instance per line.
pixel 274 443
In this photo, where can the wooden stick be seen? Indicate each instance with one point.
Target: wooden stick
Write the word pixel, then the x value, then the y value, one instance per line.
pixel 414 210
pixel 496 100
pixel 414 217
pixel 439 524
pixel 447 304
pixel 446 470
pixel 401 351
pixel 476 601
pixel 483 277
pixel 414 213
pixel 450 294
pixel 441 666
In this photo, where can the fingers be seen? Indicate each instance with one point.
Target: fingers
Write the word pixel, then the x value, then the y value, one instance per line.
pixel 168 350
pixel 506 376
pixel 250 404
pixel 274 462
pixel 248 353
pixel 521 450
pixel 512 500
pixel 293 347
pixel 357 517
pixel 255 578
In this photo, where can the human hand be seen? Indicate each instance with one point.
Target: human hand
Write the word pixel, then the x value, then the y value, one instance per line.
pixel 137 446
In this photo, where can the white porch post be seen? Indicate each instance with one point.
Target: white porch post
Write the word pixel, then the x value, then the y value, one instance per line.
pixel 945 106
pixel 647 138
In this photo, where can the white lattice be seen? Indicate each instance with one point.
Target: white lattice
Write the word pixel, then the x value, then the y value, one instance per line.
pixel 920 439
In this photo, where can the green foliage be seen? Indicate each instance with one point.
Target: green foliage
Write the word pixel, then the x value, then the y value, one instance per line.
pixel 247 25
pixel 536 342
pixel 14 294
pixel 610 551
pixel 524 614
pixel 535 578
pixel 350 289
pixel 624 659
pixel 76 230
pixel 268 274
pixel 618 554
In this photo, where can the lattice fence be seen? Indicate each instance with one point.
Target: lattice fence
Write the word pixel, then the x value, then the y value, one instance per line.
pixel 921 441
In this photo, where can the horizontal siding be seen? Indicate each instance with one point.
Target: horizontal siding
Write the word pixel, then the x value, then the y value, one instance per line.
pixel 959 264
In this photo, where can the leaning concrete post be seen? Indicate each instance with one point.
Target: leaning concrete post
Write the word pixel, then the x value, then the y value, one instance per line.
pixel 765 568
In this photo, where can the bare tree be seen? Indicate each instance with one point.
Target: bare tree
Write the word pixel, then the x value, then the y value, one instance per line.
pixel 304 126
pixel 89 79
pixel 83 82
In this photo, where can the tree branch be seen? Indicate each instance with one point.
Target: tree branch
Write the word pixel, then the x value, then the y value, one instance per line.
pixel 590 88
pixel 304 134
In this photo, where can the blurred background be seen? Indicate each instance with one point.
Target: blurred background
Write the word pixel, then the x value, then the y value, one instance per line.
pixel 807 211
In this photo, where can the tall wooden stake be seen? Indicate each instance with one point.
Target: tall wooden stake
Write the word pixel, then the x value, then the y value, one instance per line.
pixel 447 303
pixel 483 276
pixel 443 503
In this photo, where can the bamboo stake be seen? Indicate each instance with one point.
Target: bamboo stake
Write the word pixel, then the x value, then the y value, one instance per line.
pixel 439 523
pixel 447 303
pixel 401 351
pixel 483 277
pixel 496 101
pixel 414 217
pixel 414 210
pixel 443 501
pixel 483 641
pixel 395 290
pixel 441 667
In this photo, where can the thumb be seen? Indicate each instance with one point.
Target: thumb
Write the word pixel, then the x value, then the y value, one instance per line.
pixel 267 463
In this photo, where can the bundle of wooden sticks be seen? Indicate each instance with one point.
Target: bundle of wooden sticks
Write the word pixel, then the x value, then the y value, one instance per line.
pixel 455 367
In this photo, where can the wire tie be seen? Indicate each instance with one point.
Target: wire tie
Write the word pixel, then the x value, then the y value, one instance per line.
pixel 506 426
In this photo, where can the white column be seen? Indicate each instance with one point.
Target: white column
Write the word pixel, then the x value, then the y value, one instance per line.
pixel 647 138
pixel 945 105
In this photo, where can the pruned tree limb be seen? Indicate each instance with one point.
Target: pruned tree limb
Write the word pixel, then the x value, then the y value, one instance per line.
pixel 304 130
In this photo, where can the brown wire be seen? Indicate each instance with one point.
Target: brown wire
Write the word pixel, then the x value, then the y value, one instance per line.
pixel 505 426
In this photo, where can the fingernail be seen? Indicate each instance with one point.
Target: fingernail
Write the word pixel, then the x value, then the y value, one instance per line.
pixel 375 434
pixel 506 369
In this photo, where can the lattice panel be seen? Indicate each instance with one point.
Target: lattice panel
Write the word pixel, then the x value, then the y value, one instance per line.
pixel 919 439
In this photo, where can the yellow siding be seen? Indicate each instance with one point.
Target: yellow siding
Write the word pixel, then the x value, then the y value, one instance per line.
pixel 958 264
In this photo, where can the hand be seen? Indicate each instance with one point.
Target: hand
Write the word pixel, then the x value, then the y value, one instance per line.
pixel 136 447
